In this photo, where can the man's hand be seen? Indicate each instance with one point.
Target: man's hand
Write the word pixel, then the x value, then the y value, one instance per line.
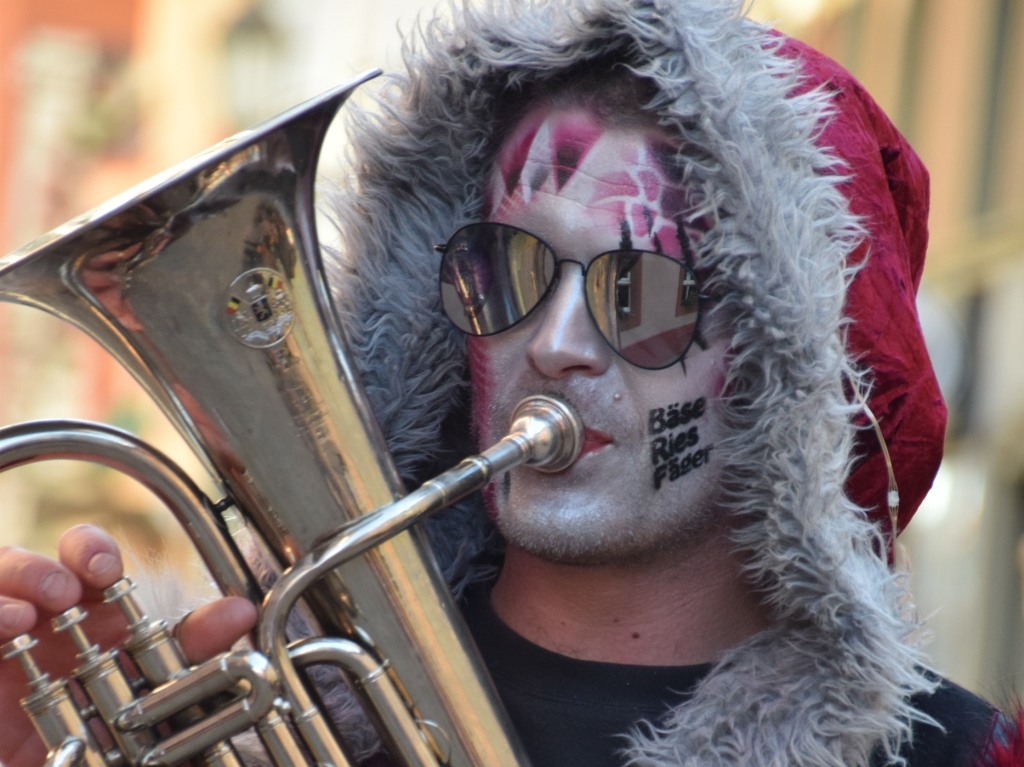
pixel 34 588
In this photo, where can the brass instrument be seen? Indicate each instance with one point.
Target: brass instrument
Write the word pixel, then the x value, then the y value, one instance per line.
pixel 206 283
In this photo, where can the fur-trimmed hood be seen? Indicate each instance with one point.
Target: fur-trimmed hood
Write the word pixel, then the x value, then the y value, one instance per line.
pixel 829 684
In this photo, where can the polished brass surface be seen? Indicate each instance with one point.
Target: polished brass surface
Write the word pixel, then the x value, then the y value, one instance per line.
pixel 54 713
pixel 159 659
pixel 67 754
pixel 76 440
pixel 206 284
pixel 149 643
pixel 105 683
pixel 218 675
pixel 385 704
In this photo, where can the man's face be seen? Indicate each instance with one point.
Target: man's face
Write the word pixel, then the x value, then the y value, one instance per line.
pixel 646 478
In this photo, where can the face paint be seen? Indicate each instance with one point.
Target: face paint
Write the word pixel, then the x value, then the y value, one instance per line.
pixel 634 183
pixel 586 189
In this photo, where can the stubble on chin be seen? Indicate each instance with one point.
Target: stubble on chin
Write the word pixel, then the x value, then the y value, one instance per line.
pixel 604 516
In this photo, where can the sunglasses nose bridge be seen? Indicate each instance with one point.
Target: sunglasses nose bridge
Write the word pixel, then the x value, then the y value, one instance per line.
pixel 567 340
pixel 560 265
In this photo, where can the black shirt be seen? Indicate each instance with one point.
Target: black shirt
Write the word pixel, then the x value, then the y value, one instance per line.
pixel 573 713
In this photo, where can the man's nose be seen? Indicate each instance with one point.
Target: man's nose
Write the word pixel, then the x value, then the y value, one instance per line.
pixel 567 340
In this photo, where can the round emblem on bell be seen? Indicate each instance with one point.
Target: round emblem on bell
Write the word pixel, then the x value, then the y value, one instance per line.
pixel 259 308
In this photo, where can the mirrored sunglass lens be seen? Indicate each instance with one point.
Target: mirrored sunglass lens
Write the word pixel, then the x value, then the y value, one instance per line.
pixel 644 304
pixel 492 275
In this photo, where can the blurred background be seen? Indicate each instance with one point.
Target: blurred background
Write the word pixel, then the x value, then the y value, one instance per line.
pixel 97 95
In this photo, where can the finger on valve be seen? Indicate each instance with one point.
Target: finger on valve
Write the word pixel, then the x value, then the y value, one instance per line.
pixel 30 578
pixel 93 556
pixel 34 589
pixel 215 627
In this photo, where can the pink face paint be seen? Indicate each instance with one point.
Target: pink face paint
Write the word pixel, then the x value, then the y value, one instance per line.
pixel 636 184
pixel 513 158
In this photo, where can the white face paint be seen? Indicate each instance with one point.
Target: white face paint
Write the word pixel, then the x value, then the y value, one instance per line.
pixel 648 474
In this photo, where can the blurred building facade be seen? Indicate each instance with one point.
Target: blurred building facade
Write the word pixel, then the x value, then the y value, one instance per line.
pixel 96 95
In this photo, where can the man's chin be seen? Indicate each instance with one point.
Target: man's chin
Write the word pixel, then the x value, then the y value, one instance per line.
pixel 596 545
pixel 576 534
pixel 588 517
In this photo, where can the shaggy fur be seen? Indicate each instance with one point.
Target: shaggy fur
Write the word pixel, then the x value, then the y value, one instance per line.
pixel 829 685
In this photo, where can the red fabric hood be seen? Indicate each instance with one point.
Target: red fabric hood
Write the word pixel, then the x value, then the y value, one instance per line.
pixel 888 189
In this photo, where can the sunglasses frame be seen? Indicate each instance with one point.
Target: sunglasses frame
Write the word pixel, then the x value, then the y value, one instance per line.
pixel 442 248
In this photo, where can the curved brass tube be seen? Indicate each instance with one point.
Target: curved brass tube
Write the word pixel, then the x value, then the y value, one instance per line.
pixel 84 441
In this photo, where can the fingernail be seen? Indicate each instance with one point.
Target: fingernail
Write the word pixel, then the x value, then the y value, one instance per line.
pixel 101 563
pixel 53 585
pixel 11 615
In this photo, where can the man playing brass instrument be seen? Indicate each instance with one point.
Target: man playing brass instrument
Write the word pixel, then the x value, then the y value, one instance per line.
pixel 707 238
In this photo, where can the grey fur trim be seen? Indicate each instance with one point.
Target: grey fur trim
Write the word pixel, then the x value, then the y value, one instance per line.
pixel 829 685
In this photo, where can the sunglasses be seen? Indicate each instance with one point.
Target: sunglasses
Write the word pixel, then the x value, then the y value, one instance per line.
pixel 644 304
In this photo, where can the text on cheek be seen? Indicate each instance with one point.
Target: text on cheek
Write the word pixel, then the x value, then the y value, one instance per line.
pixel 681 413
pixel 676 453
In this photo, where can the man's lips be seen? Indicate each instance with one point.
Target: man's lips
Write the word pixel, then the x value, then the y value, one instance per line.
pixel 594 440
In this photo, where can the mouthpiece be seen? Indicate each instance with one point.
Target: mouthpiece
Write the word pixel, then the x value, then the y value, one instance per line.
pixel 554 430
